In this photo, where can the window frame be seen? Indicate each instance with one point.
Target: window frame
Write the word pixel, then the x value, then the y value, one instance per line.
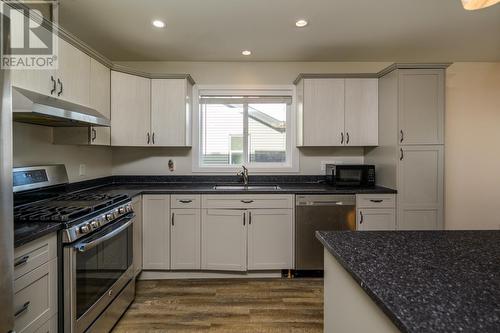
pixel 292 162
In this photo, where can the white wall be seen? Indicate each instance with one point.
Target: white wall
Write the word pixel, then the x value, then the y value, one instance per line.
pixel 155 160
pixel 33 146
pixel 472 146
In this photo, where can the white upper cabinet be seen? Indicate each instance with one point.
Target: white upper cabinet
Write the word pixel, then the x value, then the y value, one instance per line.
pixel 171 112
pixel 323 112
pixel 100 88
pixel 130 110
pixel 73 75
pixel 421 106
pixel 361 112
pixel 147 112
pixel 337 112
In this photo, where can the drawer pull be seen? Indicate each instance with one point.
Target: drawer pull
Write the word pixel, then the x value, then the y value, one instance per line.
pixel 246 201
pixel 185 201
pixel 376 200
pixel 21 261
pixel 22 310
pixel 360 217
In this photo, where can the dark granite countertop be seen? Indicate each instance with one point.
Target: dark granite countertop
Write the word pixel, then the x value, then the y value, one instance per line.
pixel 135 185
pixel 426 281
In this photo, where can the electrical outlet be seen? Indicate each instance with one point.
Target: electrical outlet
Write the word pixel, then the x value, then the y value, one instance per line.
pixel 324 163
pixel 83 170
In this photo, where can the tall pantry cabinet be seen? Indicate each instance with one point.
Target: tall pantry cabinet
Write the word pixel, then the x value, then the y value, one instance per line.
pixel 410 155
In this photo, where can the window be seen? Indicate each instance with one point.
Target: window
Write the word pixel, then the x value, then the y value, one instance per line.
pixel 237 130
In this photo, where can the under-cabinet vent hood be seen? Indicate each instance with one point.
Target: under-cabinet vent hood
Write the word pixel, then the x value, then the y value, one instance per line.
pixel 34 108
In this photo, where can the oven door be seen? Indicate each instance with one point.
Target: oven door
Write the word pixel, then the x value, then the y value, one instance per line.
pixel 96 269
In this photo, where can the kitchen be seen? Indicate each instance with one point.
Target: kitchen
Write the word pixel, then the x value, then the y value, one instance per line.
pixel 162 179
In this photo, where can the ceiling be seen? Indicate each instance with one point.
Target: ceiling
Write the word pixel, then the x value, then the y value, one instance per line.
pixel 338 30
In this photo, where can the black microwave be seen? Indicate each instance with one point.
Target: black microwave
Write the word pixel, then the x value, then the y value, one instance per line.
pixel 350 174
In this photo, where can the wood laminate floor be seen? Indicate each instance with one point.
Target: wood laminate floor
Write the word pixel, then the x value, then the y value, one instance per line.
pixel 226 306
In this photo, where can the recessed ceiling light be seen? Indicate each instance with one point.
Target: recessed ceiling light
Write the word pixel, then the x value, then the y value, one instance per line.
pixel 301 23
pixel 158 24
pixel 246 52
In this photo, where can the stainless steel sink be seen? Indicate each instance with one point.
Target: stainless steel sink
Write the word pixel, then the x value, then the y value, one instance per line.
pixel 246 187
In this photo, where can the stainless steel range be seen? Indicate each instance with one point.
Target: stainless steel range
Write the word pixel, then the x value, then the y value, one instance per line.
pixel 97 283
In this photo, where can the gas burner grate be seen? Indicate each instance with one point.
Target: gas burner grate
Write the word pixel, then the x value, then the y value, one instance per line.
pixel 67 207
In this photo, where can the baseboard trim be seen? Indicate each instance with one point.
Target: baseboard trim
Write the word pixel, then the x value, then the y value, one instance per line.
pixel 166 275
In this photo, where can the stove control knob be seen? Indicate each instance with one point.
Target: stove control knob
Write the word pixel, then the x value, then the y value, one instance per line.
pixel 85 228
pixel 122 210
pixel 95 224
pixel 128 208
pixel 110 216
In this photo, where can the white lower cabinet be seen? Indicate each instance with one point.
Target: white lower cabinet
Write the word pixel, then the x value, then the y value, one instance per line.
pixel 185 236
pixel 35 286
pixel 270 239
pixel 137 229
pixel 375 212
pixel 156 232
pixel 224 239
pixel 376 219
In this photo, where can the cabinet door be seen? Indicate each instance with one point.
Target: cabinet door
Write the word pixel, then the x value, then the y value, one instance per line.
pixel 420 188
pixel 100 88
pixel 361 112
pixel 137 262
pixel 185 238
pixel 224 240
pixel 323 112
pixel 270 239
pixel 130 110
pixel 376 219
pixel 156 232
pixel 100 136
pixel 73 74
pixel 421 106
pixel 170 112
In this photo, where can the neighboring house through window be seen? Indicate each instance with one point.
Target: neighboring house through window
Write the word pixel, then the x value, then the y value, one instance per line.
pixel 252 130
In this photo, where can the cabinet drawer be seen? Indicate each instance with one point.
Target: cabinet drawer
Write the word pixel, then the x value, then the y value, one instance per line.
pixel 35 297
pixel 244 201
pixel 375 201
pixel 34 254
pixel 185 201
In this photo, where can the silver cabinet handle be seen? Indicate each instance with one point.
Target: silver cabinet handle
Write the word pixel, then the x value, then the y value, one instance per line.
pixel 22 310
pixel 244 217
pixel 153 138
pixel 360 217
pixel 21 261
pixel 347 140
pixel 185 201
pixel 94 134
pixel 376 200
pixel 342 138
pixel 59 93
pixel 53 90
pixel 401 156
pixel 147 136
pixel 173 217
pixel 249 218
pixel 402 135
pixel 246 201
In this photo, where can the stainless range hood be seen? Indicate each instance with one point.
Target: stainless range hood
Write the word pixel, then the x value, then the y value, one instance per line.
pixel 34 108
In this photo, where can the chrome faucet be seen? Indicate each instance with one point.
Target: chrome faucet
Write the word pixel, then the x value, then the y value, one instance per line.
pixel 244 173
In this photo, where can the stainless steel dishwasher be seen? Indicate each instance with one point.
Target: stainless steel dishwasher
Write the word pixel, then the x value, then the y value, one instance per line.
pixel 319 212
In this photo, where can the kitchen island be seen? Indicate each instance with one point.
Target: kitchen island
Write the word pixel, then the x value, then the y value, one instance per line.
pixel 412 281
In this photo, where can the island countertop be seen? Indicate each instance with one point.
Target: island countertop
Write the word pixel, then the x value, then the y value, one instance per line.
pixel 426 281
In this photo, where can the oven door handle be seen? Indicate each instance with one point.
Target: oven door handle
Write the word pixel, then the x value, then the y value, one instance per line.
pixel 82 247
